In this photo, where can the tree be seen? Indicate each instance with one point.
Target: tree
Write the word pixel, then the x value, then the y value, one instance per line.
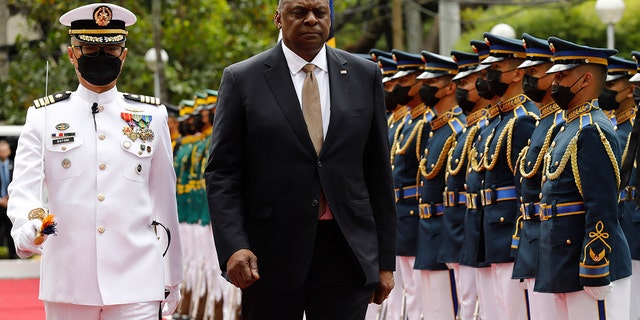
pixel 200 36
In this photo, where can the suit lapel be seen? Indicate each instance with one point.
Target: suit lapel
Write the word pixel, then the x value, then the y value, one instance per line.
pixel 339 81
pixel 279 81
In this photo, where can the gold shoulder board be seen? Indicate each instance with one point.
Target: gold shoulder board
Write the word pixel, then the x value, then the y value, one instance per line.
pixel 144 99
pixel 51 99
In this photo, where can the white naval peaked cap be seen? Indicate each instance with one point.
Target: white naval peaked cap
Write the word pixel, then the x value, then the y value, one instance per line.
pixel 99 23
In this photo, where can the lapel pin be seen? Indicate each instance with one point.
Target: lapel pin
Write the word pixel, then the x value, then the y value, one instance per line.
pixel 343 71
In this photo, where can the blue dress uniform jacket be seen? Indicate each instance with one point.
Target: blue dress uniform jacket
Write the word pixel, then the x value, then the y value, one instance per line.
pixel 105 189
pixel 454 195
pixel 471 254
pixel 501 189
pixel 628 213
pixel 581 241
pixel 404 164
pixel 529 170
pixel 438 138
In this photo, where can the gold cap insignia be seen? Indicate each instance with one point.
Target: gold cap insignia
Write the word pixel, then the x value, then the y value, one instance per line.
pixel 102 16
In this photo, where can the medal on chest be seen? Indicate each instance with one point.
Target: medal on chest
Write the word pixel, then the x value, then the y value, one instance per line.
pixel 138 127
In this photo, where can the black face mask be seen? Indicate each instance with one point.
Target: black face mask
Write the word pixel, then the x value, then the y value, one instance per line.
pixel 494 79
pixel 462 96
pixel 398 96
pixel 636 95
pixel 428 95
pixel 99 70
pixel 530 88
pixel 563 95
pixel 607 99
pixel 482 85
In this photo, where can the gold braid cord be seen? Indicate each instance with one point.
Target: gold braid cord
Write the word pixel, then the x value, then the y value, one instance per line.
pixel 418 127
pixel 466 148
pixel 572 148
pixel 509 145
pixel 419 138
pixel 477 165
pixel 394 145
pixel 626 149
pixel 612 158
pixel 490 162
pixel 543 150
pixel 440 162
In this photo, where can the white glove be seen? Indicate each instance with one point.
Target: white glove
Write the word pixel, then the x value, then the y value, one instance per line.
pixel 599 293
pixel 24 240
pixel 170 304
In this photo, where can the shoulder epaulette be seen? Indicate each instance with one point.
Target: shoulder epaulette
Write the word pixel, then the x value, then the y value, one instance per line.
pixel 585 120
pixel 456 125
pixel 520 111
pixel 559 117
pixel 144 99
pixel 429 115
pixel 51 99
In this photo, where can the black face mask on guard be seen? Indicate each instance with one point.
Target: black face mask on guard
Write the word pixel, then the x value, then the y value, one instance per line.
pixel 99 70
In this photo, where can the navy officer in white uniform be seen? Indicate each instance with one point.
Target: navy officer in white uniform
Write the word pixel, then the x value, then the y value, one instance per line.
pixel 105 160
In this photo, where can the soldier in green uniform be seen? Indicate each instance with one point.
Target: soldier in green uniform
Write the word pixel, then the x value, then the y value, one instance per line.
pixel 584 256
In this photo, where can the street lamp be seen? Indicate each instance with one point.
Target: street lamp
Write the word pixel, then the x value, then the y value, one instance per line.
pixel 610 12
pixel 152 63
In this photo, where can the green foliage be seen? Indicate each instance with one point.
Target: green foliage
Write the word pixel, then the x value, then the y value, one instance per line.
pixel 575 21
pixel 201 37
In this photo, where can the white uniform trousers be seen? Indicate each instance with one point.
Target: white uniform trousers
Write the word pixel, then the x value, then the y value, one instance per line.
pixel 374 311
pixel 541 305
pixel 486 294
pixel 510 296
pixel 579 305
pixel 132 311
pixel 635 290
pixel 407 284
pixel 467 290
pixel 437 295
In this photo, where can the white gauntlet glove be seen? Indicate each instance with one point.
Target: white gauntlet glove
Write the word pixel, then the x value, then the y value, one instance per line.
pixel 599 293
pixel 170 304
pixel 26 235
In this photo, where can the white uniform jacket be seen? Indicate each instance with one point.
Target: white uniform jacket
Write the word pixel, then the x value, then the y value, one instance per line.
pixel 105 189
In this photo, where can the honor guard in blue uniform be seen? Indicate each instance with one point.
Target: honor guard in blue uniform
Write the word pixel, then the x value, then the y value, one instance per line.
pixel 388 67
pixel 617 95
pixel 584 256
pixel 454 195
pixel 501 188
pixel 537 86
pixel 470 255
pixel 435 139
pixel 630 220
pixel 403 140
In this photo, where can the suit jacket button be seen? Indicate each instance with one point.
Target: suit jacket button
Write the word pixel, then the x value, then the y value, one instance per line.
pixel 320 164
pixel 314 202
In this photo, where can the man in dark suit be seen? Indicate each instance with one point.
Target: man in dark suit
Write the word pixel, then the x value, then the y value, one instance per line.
pixel 303 220
pixel 6 171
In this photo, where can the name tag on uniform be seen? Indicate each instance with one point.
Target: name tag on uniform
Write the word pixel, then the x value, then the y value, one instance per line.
pixel 63 140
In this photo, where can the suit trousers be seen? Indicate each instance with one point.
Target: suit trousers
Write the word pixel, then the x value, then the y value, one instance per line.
pixel 579 305
pixel 334 288
pixel 132 311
